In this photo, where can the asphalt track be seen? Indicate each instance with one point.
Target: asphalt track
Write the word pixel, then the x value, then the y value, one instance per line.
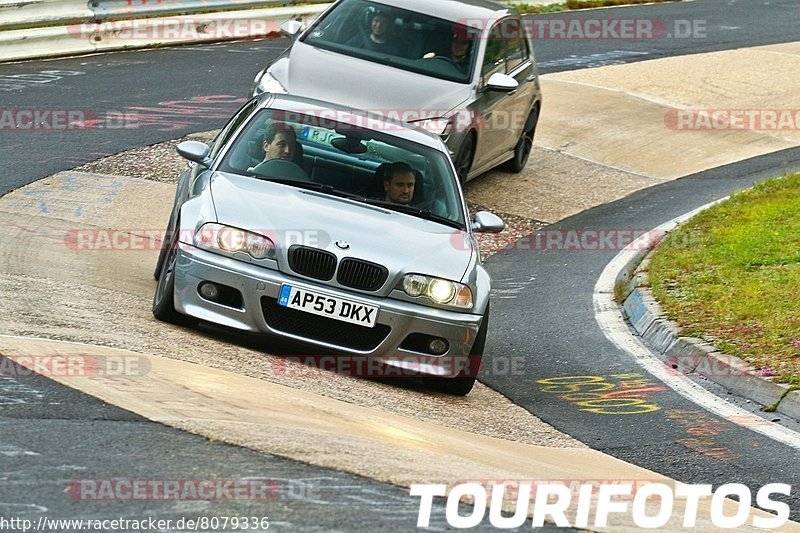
pixel 53 440
pixel 548 320
pixel 679 29
pixel 179 90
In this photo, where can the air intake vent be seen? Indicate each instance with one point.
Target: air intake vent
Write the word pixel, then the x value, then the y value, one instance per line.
pixel 361 275
pixel 311 262
pixel 315 328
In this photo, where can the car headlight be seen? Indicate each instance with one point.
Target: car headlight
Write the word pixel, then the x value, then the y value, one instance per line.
pixel 441 291
pixel 267 83
pixel 439 126
pixel 218 237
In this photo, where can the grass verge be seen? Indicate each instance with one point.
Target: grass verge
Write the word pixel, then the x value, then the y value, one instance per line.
pixel 732 275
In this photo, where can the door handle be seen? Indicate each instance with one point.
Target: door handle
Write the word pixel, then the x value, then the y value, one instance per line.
pixel 487 116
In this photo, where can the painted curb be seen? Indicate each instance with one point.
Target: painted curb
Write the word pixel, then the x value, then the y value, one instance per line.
pixel 92 37
pixel 690 355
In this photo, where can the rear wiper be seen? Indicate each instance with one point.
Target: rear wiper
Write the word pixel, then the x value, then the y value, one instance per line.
pixel 416 211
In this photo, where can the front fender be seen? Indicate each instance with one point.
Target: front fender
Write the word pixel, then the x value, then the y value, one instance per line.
pixel 197 210
pixel 484 283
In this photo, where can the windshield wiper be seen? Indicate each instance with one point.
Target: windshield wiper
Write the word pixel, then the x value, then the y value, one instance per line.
pixel 321 187
pixel 416 211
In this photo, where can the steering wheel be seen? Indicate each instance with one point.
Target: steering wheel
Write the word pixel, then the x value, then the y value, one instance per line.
pixel 448 59
pixel 280 168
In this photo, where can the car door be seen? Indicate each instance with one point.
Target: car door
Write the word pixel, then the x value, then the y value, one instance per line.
pixel 495 107
pixel 520 66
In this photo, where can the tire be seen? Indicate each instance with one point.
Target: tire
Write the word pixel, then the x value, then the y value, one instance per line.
pixel 462 384
pixel 162 254
pixel 463 162
pixel 164 297
pixel 524 145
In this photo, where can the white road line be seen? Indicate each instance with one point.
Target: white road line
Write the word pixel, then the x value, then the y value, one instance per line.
pixel 615 328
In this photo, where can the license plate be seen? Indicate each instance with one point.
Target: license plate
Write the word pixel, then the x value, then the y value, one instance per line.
pixel 319 136
pixel 329 306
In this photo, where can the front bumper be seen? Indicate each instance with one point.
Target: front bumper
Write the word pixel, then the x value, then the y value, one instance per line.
pixel 259 313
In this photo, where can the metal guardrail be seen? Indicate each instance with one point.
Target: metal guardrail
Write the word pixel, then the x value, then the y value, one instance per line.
pixel 22 14
pixel 52 28
pixel 125 9
pixel 40 13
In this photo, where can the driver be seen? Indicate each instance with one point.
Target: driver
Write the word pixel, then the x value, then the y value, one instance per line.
pixel 398 183
pixel 459 50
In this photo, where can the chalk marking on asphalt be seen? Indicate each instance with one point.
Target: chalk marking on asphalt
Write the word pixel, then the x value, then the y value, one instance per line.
pixel 24 506
pixel 651 99
pixel 560 150
pixel 615 328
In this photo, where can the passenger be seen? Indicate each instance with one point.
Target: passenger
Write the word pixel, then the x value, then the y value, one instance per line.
pixel 380 38
pixel 398 183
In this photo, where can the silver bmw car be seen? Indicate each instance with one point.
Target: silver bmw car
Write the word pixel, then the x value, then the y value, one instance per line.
pixel 338 228
pixel 464 69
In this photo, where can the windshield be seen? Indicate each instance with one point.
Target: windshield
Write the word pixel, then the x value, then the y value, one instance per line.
pixel 339 156
pixel 403 39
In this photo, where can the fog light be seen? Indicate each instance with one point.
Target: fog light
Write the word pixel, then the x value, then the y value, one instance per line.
pixel 437 346
pixel 209 290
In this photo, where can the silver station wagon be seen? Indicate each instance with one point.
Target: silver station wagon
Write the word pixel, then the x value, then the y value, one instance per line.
pixel 338 228
pixel 463 69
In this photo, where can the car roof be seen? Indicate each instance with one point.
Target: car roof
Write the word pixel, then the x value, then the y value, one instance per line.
pixel 366 119
pixel 454 10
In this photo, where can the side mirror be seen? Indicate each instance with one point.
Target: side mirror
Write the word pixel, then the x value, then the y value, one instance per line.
pixel 502 82
pixel 291 29
pixel 486 222
pixel 195 151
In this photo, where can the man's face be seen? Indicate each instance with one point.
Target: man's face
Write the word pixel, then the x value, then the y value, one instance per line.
pixel 379 25
pixel 281 147
pixel 400 189
pixel 459 48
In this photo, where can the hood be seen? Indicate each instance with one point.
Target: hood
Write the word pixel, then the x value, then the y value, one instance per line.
pixel 330 76
pixel 402 243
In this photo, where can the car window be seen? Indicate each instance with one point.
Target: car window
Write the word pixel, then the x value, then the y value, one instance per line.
pixel 516 51
pixel 494 59
pixel 397 38
pixel 346 154
pixel 230 128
